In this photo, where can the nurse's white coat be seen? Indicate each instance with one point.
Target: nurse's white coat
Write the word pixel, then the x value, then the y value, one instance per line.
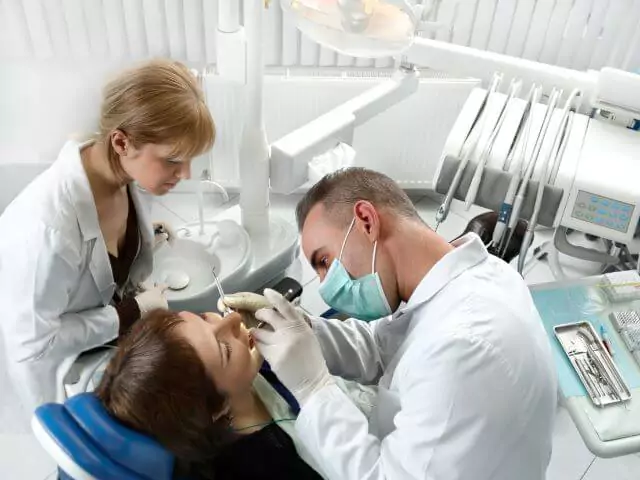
pixel 55 277
pixel 467 385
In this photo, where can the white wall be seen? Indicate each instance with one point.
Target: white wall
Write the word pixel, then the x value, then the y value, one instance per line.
pixel 42 104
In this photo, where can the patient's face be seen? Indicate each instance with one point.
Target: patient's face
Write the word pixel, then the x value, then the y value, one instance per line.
pixel 225 348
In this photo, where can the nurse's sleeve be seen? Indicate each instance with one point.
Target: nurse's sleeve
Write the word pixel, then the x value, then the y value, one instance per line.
pixel 446 400
pixel 46 270
pixel 349 348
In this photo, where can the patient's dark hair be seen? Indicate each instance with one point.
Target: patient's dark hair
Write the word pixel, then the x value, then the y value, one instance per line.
pixel 157 385
pixel 339 191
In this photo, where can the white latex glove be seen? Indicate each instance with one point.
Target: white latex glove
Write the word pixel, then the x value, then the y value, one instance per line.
pixel 162 232
pixel 292 348
pixel 246 304
pixel 151 299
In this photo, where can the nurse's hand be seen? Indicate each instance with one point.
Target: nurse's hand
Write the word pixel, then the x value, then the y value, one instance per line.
pixel 162 232
pixel 292 348
pixel 152 299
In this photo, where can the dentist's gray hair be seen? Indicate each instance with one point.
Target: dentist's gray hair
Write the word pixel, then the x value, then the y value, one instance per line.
pixel 339 191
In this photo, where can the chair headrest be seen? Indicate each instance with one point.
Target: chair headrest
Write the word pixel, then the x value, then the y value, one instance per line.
pixel 94 440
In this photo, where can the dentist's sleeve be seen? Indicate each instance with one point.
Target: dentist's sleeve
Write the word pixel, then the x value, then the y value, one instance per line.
pixel 349 348
pixel 446 400
pixel 44 272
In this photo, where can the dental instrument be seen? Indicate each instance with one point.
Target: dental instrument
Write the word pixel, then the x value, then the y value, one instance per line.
pixel 514 89
pixel 480 120
pixel 519 145
pixel 226 311
pixel 604 335
pixel 544 180
pixel 593 364
pixel 524 121
pixel 566 129
pixel 524 185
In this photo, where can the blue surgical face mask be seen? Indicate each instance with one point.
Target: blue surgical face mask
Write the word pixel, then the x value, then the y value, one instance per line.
pixel 361 298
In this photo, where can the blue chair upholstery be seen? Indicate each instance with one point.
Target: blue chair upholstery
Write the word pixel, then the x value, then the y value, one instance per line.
pixel 101 446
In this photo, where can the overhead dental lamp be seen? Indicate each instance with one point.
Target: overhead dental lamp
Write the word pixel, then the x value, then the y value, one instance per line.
pixel 359 28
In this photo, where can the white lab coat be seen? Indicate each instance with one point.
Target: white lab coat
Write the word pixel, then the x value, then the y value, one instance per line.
pixel 56 283
pixel 467 386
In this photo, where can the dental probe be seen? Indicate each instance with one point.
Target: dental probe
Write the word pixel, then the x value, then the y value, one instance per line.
pixel 481 118
pixel 226 311
pixel 472 193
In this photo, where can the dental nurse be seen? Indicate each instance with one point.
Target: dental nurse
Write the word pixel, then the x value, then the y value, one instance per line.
pixel 448 333
pixel 77 243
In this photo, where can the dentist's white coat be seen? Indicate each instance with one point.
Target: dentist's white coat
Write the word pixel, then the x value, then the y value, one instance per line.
pixel 56 283
pixel 467 384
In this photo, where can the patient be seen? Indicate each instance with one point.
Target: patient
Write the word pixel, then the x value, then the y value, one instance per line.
pixel 194 386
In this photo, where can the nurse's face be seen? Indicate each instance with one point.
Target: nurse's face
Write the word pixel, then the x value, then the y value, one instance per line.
pixel 225 348
pixel 151 165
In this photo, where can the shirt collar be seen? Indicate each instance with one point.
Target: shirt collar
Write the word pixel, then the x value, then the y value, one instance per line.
pixel 468 252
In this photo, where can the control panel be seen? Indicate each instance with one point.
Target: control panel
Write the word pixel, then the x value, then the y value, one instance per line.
pixel 602 211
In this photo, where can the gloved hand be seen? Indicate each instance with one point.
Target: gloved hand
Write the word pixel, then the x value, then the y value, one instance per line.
pixel 151 299
pixel 292 348
pixel 162 232
pixel 246 304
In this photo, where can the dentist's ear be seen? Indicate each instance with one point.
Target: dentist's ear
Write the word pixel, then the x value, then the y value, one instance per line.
pixel 367 219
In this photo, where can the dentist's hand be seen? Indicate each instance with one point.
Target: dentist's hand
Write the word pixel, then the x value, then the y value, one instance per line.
pixel 291 348
pixel 246 304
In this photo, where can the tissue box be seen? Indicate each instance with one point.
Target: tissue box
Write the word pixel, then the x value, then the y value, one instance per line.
pixel 340 156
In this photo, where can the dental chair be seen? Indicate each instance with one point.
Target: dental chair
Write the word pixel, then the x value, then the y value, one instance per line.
pixel 88 444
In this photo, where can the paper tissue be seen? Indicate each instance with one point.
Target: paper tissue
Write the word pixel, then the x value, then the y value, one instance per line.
pixel 340 156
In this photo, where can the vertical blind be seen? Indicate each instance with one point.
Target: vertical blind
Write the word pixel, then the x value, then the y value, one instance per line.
pixel 578 34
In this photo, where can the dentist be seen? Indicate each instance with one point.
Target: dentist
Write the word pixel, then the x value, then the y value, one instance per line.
pixel 467 387
pixel 77 242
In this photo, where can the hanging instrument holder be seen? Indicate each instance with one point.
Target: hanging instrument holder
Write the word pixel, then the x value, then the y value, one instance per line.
pixel 493 189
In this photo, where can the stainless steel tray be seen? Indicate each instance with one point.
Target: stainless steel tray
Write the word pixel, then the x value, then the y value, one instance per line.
pixel 594 366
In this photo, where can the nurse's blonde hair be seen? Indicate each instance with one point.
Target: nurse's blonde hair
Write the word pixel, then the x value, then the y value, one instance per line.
pixel 157 102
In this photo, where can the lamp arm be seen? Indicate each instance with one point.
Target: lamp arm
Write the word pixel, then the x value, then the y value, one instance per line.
pixel 291 153
pixel 471 62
